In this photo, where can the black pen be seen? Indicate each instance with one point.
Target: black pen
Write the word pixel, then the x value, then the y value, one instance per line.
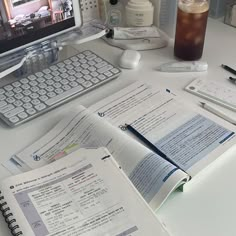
pixel 151 146
pixel 229 69
pixel 232 79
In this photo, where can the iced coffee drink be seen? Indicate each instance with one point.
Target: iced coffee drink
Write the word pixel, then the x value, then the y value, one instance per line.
pixel 190 29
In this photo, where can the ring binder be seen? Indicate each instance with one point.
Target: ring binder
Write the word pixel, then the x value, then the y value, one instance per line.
pixel 9 218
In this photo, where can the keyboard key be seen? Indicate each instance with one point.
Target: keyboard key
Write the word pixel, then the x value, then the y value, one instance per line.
pixel 35 101
pixel 42 85
pixel 6 108
pixel 55 73
pixel 2 97
pixel 57 85
pixel 40 107
pixel 9 94
pixel 57 78
pixel 95 80
pixel 34 89
pixel 87 84
pixel 25 86
pixel 42 92
pixel 49 88
pixel 3 103
pixel 10 100
pixel 31 111
pixel 39 74
pixel 33 83
pixel 26 99
pixel 82 61
pixel 104 69
pixel 13 112
pixel 48 76
pixel 73 84
pixel 16 84
pixel 69 67
pixel 19 96
pixel 26 92
pixel 46 71
pixel 87 53
pixel 87 77
pixel 80 80
pixel 102 77
pixel 54 68
pixel 108 73
pixel 8 88
pixel 51 94
pixel 2 91
pixel 64 81
pixel 17 90
pixel 24 81
pixel 61 64
pixel 64 95
pixel 18 103
pixel 27 105
pixel 50 82
pixel 23 115
pixel 71 78
pixel 76 63
pixel 62 70
pixel 64 75
pixel 40 80
pixel 74 59
pixel 14 119
pixel 85 72
pixel 68 61
pixel 32 77
pixel 43 98
pixel 59 90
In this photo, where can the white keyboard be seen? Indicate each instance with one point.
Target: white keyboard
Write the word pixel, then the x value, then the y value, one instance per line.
pixel 38 93
pixel 214 92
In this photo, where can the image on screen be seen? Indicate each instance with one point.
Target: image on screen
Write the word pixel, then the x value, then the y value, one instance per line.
pixel 24 21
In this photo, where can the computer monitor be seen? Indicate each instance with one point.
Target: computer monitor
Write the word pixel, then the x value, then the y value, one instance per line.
pixel 27 22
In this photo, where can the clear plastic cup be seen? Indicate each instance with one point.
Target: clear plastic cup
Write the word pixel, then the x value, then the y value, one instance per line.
pixel 190 29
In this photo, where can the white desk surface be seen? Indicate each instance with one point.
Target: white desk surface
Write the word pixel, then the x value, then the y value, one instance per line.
pixel 208 208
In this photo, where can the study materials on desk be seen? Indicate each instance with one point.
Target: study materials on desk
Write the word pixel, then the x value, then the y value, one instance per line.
pixel 184 141
pixel 214 92
pixel 185 135
pixel 154 177
pixel 84 194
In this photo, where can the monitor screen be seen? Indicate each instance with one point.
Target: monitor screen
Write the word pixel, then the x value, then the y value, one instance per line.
pixel 25 22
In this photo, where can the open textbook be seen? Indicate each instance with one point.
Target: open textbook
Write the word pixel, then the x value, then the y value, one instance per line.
pixel 189 139
pixel 84 194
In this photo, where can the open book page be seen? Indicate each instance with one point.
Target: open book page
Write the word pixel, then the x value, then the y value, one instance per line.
pixel 185 136
pixel 83 194
pixel 154 177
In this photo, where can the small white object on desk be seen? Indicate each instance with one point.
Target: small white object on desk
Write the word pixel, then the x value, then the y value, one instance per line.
pixel 129 59
pixel 185 66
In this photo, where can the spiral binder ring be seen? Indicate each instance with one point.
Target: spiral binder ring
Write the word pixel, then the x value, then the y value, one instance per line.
pixel 9 218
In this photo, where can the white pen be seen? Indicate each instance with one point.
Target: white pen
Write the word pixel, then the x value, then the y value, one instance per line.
pixel 218 112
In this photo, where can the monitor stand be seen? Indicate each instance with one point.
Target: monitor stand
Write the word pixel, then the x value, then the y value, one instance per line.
pixel 29 60
pixel 39 56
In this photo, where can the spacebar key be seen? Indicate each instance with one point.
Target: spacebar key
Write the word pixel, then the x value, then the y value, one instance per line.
pixel 63 96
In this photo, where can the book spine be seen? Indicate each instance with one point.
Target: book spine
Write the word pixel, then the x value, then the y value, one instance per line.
pixel 9 218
